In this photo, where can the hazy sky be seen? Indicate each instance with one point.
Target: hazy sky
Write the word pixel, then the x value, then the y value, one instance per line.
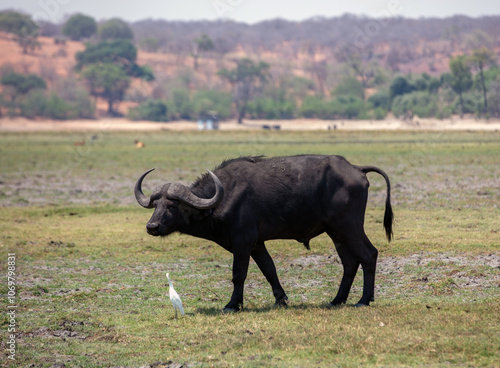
pixel 249 11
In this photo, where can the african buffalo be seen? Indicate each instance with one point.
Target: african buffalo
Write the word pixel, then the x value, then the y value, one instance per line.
pixel 249 200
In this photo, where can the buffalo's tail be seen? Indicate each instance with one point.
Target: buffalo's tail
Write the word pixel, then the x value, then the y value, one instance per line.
pixel 388 215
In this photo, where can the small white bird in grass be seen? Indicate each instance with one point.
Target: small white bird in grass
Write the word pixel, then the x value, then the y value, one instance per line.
pixel 175 298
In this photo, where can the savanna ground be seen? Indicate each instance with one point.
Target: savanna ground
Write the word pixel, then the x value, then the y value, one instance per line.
pixel 91 288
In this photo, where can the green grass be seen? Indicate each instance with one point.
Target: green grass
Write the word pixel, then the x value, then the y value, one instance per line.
pixel 91 283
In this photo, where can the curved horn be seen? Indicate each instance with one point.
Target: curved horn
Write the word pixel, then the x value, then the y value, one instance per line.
pixel 183 194
pixel 143 200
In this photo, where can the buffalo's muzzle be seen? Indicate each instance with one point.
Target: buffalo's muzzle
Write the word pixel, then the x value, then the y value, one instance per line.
pixel 152 228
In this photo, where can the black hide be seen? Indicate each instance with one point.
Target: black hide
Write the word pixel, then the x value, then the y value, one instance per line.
pixel 297 197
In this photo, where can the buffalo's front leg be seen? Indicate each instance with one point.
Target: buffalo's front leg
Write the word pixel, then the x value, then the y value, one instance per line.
pixel 266 265
pixel 241 259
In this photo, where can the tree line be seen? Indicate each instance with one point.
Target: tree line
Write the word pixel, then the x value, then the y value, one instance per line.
pixel 355 84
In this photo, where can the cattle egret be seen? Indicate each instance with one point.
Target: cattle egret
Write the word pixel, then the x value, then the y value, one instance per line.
pixel 174 298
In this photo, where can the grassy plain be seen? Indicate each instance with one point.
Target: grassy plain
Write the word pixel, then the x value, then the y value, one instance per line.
pixel 91 286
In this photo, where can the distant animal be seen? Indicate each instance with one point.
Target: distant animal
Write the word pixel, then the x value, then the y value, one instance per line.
pixel 249 200
pixel 175 298
pixel 139 144
pixel 271 127
pixel 79 143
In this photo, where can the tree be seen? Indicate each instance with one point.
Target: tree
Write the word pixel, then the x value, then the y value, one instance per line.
pixel 153 110
pixel 119 52
pixel 366 70
pixel 79 26
pixel 244 80
pixel 108 81
pixel 25 30
pixel 21 84
pixel 207 102
pixel 115 29
pixel 420 103
pixel 350 86
pixel 400 86
pixel 107 67
pixel 480 59
pixel 461 78
pixel 203 43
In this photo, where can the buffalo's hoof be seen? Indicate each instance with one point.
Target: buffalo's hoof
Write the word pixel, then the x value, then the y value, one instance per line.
pixel 281 303
pixel 230 310
pixel 336 303
pixel 360 305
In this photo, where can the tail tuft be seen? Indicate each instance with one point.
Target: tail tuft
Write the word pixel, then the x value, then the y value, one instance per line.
pixel 388 219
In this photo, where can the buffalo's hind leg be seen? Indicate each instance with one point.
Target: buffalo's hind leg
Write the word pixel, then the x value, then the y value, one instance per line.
pixel 266 265
pixel 354 250
pixel 351 265
pixel 369 264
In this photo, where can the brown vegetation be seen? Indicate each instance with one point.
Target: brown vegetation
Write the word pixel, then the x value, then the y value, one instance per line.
pixel 319 49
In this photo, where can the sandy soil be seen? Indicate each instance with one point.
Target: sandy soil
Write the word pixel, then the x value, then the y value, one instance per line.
pixel 107 124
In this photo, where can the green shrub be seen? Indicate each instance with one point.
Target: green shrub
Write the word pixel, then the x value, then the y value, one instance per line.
pixel 350 86
pixel 212 102
pixel 180 106
pixel 38 104
pixel 83 106
pixel 57 108
pixel 79 26
pixel 34 104
pixel 350 107
pixel 418 103
pixel 154 110
pixel 494 99
pixel 472 104
pixel 381 99
pixel 268 108
pixel 379 113
pixel 314 107
pixel 342 107
pixel 400 86
pixel 114 29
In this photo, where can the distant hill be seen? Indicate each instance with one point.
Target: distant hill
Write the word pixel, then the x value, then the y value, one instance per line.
pixel 328 57
pixel 408 45
pixel 397 44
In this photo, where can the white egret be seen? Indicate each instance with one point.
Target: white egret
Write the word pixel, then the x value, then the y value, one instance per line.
pixel 175 298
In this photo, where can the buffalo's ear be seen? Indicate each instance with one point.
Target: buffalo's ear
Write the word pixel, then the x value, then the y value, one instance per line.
pixel 189 213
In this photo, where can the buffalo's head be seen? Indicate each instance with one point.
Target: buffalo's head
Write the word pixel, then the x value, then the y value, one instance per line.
pixel 174 204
